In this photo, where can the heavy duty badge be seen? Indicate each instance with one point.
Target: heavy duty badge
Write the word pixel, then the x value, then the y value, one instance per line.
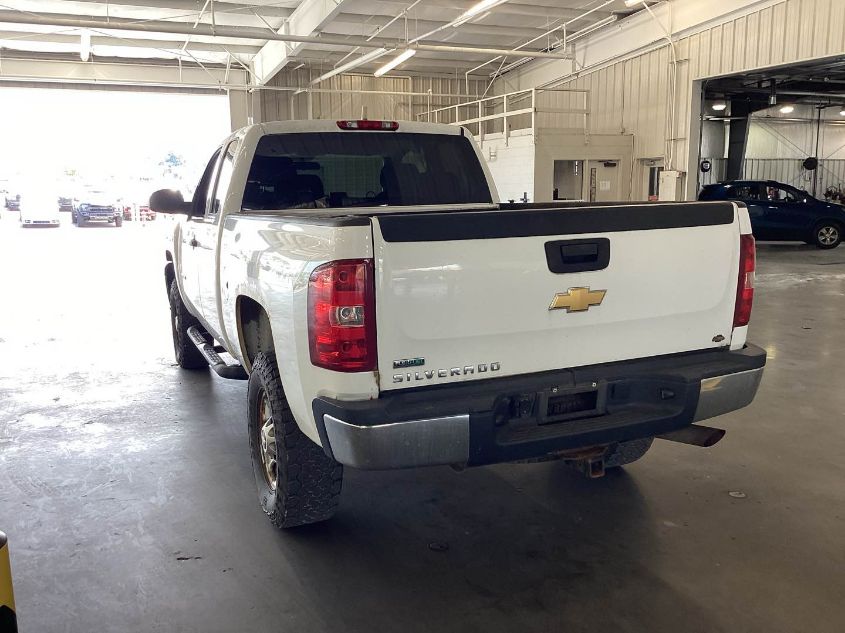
pixel 577 299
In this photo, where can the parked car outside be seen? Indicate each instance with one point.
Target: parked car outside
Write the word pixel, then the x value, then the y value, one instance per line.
pixel 96 205
pixel 66 204
pixel 13 201
pixel 144 213
pixel 781 212
pixel 38 208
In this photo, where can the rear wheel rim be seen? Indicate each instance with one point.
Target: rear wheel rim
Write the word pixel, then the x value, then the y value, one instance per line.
pixel 828 235
pixel 267 441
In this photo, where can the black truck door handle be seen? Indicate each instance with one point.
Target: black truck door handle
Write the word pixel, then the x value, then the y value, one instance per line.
pixel 575 256
pixel 194 242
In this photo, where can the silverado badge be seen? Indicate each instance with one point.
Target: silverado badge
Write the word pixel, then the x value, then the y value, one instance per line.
pixel 577 299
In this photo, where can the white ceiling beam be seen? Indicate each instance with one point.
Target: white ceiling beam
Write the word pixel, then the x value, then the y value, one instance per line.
pixel 356 20
pixel 12 37
pixel 308 19
pixel 508 8
pixel 170 8
pixel 122 73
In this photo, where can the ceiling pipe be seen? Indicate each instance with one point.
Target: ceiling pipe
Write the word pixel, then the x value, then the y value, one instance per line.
pixel 560 27
pixel 240 32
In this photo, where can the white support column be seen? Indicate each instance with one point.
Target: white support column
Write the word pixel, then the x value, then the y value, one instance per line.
pixel 241 108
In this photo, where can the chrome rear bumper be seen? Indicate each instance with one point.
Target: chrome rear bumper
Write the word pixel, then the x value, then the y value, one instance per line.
pixel 400 444
pixel 723 394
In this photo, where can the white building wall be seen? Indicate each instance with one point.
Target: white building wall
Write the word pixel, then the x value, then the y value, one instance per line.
pixel 511 164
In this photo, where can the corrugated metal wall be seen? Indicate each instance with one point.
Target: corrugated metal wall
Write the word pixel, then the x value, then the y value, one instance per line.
pixel 632 95
pixel 353 95
pixel 786 170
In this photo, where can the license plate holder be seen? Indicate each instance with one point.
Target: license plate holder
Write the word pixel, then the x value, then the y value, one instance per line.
pixel 560 405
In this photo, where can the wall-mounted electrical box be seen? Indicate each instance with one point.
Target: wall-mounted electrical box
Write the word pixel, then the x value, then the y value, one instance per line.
pixel 671 185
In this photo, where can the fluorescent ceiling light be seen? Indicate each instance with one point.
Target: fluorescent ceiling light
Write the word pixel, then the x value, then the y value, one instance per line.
pixel 393 63
pixel 593 27
pixel 787 109
pixel 842 113
pixel 719 106
pixel 351 64
pixel 85 46
pixel 633 3
pixel 474 10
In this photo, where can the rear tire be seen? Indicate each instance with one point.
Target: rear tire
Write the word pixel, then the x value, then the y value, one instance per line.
pixel 624 453
pixel 118 221
pixel 80 222
pixel 297 482
pixel 187 354
pixel 827 235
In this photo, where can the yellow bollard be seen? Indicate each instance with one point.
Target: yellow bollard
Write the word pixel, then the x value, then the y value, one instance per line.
pixel 8 619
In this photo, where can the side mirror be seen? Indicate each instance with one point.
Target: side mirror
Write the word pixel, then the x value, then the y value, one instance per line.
pixel 169 201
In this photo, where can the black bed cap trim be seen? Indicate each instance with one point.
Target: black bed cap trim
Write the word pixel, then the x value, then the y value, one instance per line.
pixel 563 220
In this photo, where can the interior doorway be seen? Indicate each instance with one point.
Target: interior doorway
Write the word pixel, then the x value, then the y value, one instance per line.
pixel 568 180
pixel 650 183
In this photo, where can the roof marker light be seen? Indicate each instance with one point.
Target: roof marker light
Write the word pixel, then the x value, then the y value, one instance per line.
pixel 364 124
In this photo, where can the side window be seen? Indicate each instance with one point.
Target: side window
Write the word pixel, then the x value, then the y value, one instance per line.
pixel 743 192
pixel 781 194
pixel 201 192
pixel 224 177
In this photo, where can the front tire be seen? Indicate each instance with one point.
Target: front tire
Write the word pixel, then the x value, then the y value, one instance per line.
pixel 187 354
pixel 827 235
pixel 80 221
pixel 118 221
pixel 623 453
pixel 297 482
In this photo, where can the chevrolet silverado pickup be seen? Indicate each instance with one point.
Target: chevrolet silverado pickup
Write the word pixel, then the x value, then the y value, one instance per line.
pixel 388 312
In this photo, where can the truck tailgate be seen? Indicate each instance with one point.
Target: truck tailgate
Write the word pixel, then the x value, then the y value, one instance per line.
pixel 473 295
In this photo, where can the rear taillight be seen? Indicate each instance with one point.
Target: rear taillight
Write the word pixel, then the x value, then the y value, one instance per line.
pixel 386 126
pixel 342 316
pixel 745 285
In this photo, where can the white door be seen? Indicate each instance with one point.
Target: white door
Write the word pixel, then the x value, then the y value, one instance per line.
pixel 602 182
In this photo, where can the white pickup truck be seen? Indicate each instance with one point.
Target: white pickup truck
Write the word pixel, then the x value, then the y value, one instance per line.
pixel 388 312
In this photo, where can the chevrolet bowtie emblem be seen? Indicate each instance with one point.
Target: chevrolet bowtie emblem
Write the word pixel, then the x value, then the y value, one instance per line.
pixel 577 299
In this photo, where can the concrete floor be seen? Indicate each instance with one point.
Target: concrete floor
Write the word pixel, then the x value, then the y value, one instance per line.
pixel 127 493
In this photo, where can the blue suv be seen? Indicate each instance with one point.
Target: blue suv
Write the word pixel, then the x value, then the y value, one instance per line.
pixel 781 212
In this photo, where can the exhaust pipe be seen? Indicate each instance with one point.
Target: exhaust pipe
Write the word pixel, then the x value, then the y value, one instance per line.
pixel 696 435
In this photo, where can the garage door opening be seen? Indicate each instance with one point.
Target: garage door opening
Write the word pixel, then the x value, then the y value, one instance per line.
pixel 121 143
pixel 783 124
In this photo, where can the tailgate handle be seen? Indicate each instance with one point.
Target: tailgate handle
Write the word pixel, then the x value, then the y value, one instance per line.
pixel 575 256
